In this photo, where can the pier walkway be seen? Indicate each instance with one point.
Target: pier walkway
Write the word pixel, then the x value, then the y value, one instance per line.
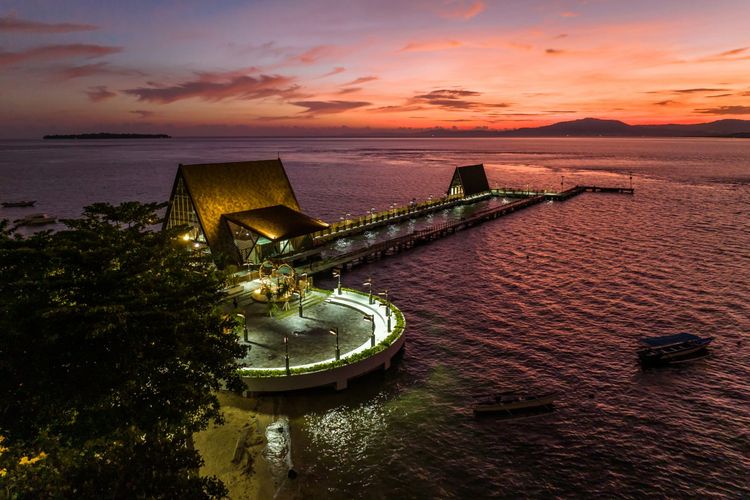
pixel 479 209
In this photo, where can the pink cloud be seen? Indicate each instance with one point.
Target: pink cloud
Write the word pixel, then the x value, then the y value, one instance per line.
pixel 13 24
pixel 334 71
pixel 460 10
pixel 554 52
pixel 569 14
pixel 99 93
pixel 315 54
pixel 57 52
pixel 208 89
pixel 349 90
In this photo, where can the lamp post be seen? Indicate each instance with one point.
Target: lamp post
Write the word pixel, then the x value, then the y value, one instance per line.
pixel 335 331
pixel 371 319
pixel 286 354
pixel 562 184
pixel 337 274
pixel 244 321
pixel 368 283
pixel 387 306
pixel 299 291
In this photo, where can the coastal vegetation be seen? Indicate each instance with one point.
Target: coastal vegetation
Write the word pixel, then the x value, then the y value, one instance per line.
pixel 112 345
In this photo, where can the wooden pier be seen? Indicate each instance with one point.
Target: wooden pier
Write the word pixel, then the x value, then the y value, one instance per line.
pixel 400 243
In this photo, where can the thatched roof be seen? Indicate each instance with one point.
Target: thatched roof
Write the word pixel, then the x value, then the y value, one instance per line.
pixel 228 188
pixel 472 178
pixel 278 222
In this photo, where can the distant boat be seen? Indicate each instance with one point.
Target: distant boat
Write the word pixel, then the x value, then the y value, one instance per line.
pixel 511 402
pixel 672 348
pixel 8 204
pixel 36 220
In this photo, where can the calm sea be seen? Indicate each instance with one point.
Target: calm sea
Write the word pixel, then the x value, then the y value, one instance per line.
pixel 552 297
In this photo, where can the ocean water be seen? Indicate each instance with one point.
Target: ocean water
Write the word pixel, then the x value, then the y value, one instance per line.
pixel 552 297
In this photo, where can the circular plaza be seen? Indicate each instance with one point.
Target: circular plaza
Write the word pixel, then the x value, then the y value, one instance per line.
pixel 312 337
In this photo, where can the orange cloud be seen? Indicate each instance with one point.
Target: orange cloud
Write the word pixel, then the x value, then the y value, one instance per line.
pixel 56 52
pixel 430 46
pixel 13 24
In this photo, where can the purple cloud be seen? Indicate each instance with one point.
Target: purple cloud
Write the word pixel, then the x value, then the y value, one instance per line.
pixel 142 113
pixel 99 93
pixel 57 52
pixel 13 24
pixel 725 110
pixel 207 88
pixel 329 107
pixel 95 69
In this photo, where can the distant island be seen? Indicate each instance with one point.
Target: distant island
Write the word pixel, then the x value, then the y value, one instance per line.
pixel 594 127
pixel 108 135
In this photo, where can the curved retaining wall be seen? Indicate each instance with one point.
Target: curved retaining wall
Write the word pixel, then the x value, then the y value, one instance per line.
pixel 338 377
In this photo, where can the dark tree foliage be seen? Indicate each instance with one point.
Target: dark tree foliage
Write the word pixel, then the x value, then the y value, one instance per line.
pixel 111 345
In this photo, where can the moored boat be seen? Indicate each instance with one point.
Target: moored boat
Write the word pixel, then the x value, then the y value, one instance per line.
pixel 513 402
pixel 9 204
pixel 680 347
pixel 36 220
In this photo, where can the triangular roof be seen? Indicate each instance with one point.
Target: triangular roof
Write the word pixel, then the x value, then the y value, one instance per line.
pixel 226 188
pixel 472 178
pixel 278 222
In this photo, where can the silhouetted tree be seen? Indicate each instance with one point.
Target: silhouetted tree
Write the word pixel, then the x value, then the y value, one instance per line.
pixel 112 344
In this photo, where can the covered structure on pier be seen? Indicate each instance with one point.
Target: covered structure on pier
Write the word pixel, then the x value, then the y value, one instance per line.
pixel 244 212
pixel 468 181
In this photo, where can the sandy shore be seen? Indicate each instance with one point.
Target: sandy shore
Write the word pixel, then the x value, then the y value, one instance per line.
pixel 250 451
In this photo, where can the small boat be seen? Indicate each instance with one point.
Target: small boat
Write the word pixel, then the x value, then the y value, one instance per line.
pixel 513 402
pixel 676 348
pixel 36 220
pixel 9 204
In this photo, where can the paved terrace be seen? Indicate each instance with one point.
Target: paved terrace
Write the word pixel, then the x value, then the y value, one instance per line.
pixel 310 340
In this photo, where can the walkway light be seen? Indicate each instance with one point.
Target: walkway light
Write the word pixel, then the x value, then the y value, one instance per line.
pixel 244 321
pixel 371 319
pixel 286 354
pixel 387 306
pixel 299 291
pixel 335 331
pixel 368 283
pixel 337 274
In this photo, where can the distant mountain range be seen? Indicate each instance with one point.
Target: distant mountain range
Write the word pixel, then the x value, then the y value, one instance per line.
pixel 594 127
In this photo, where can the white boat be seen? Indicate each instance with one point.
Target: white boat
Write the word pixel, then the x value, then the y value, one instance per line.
pixel 672 348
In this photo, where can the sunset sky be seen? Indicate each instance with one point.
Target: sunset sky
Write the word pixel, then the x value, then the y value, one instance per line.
pixel 275 67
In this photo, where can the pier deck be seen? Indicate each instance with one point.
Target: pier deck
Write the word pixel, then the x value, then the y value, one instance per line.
pixel 399 243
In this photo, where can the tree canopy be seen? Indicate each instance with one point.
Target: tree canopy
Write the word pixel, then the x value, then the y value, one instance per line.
pixel 112 343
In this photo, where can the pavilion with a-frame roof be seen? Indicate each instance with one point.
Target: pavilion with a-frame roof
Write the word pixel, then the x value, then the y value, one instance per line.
pixel 468 181
pixel 245 212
